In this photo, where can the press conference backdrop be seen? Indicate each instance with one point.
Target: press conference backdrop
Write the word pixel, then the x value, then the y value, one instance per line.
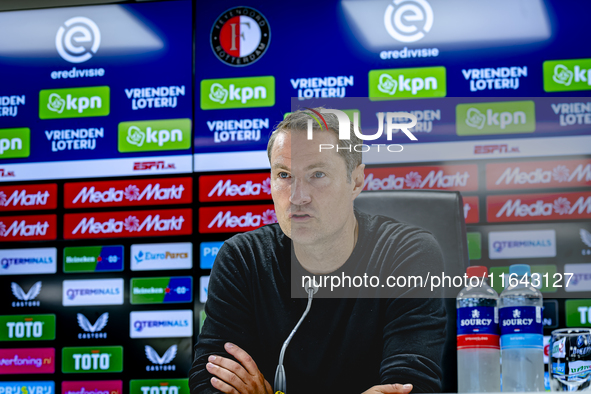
pixel 133 137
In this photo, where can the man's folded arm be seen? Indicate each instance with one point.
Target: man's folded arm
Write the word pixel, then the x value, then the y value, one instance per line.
pixel 414 330
pixel 229 317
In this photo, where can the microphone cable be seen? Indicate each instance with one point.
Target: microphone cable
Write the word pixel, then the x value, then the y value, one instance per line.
pixel 280 384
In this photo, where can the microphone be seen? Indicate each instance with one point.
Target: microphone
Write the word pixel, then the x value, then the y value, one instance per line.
pixel 280 384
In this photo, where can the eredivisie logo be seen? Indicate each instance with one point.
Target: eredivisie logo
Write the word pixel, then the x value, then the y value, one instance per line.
pixel 240 36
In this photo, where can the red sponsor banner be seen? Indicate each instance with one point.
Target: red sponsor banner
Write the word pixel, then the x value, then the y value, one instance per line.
pixel 478 341
pixel 538 174
pixel 92 387
pixel 131 192
pixel 456 177
pixel 28 197
pixel 471 209
pixel 29 361
pixel 235 219
pixel 155 222
pixel 536 207
pixel 240 187
pixel 28 228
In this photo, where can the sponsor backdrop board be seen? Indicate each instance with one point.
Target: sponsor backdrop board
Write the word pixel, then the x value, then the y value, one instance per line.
pixel 127 181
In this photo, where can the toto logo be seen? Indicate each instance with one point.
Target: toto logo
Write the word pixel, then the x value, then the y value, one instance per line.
pixel 403 19
pixel 345 128
pixel 78 39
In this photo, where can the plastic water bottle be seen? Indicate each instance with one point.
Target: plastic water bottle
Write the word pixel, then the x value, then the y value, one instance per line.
pixel 522 347
pixel 478 335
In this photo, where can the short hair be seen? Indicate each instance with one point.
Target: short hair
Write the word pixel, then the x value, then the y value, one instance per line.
pixel 298 121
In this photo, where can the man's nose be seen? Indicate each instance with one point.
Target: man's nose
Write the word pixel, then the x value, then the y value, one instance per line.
pixel 299 193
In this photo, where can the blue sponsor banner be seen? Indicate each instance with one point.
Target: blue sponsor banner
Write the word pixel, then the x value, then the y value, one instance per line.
pixel 180 290
pixel 207 254
pixel 41 387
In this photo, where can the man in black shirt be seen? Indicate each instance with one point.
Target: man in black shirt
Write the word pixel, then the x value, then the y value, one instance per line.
pixel 345 345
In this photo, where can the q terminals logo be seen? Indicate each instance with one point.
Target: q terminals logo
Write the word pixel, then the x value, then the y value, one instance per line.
pixel 240 36
pixel 78 39
pixel 408 20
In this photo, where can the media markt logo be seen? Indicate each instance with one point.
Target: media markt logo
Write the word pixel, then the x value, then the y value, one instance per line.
pixel 240 36
pixel 27 328
pixel 15 143
pixel 567 75
pixel 504 117
pixel 247 92
pixel 397 83
pixel 92 359
pixel 78 39
pixel 398 16
pixel 74 102
pixel 163 290
pixel 154 135
pixel 159 386
pixel 93 259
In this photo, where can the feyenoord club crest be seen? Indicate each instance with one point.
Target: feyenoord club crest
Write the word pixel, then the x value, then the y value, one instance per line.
pixel 240 36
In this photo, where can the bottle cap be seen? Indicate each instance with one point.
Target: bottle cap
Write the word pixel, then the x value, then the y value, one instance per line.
pixel 520 270
pixel 477 270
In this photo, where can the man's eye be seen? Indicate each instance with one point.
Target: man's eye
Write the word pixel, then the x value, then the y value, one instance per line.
pixel 319 174
pixel 283 175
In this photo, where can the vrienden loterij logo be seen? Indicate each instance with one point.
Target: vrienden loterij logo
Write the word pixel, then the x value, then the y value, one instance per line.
pixel 345 129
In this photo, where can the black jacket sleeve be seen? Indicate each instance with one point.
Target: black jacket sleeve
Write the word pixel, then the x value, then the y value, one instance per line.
pixel 229 311
pixel 414 330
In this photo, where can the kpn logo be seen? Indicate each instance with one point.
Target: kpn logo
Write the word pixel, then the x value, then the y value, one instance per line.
pixel 567 75
pixel 154 135
pixel 15 143
pixel 27 328
pixel 404 83
pixel 92 359
pixel 74 102
pixel 247 92
pixel 503 117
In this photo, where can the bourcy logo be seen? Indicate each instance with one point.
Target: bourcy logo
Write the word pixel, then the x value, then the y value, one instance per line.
pixel 345 128
pixel 154 135
pixel 240 36
pixel 462 178
pixel 153 165
pixel 495 118
pixel 15 143
pixel 240 187
pixel 28 197
pixel 322 87
pixel 235 219
pixel 539 207
pixel 27 327
pixel 125 193
pixel 475 320
pixel 78 40
pixel 397 16
pixel 567 75
pixel 238 93
pixel 24 228
pixel 74 102
pixel 237 130
pixel 27 361
pixel 28 298
pixel 517 320
pixel 161 363
pixel 92 330
pixel 396 83
pixel 494 78
pixel 128 224
pixel 564 173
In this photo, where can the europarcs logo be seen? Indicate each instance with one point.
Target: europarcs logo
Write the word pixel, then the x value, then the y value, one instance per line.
pixel 408 20
pixel 78 39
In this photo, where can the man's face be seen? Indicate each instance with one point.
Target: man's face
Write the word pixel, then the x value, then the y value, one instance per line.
pixel 313 199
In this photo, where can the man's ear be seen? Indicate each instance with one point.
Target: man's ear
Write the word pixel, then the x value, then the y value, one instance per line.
pixel 358 179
